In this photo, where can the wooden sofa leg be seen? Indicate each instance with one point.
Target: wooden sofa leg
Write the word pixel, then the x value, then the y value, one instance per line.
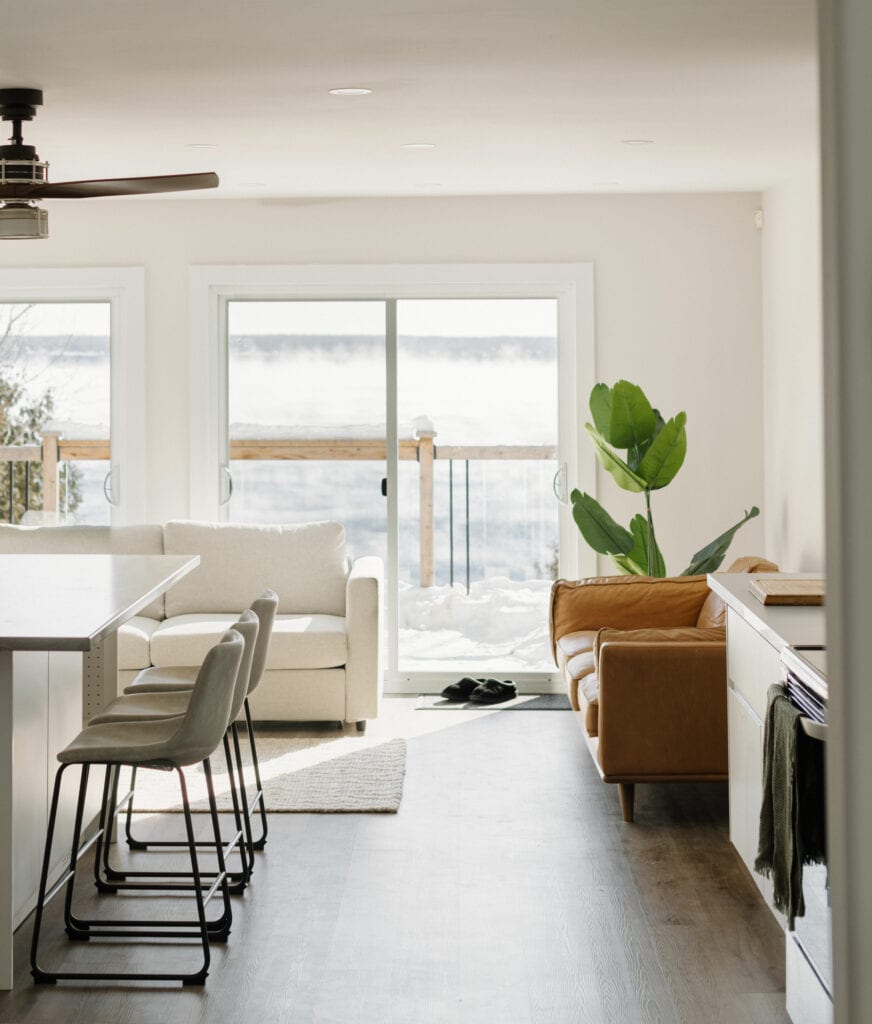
pixel 627 792
pixel 361 726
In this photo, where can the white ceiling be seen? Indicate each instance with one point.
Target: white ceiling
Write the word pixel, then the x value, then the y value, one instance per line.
pixel 519 96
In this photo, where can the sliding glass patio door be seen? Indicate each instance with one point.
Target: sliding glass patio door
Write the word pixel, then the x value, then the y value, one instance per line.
pixel 437 425
pixel 478 537
pixel 306 416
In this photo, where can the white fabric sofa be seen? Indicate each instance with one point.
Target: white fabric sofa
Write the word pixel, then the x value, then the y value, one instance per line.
pixel 325 659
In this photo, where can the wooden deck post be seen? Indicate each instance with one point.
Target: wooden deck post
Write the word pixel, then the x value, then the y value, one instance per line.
pixel 50 472
pixel 425 491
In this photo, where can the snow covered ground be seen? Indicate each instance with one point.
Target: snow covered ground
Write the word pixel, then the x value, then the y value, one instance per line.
pixel 500 626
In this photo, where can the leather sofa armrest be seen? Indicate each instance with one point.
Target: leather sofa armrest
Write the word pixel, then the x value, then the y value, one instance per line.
pixel 662 708
pixel 661 635
pixel 364 668
pixel 624 602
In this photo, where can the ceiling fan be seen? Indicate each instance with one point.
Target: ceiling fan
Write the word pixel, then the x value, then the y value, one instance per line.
pixel 24 177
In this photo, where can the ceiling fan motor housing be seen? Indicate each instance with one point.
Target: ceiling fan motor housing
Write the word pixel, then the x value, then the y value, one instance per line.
pixel 20 163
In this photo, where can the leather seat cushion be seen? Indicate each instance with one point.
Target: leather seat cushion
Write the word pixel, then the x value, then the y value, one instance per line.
pixel 298 641
pixel 134 642
pixel 576 664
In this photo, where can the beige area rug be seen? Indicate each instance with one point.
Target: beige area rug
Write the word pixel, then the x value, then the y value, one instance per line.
pixel 339 775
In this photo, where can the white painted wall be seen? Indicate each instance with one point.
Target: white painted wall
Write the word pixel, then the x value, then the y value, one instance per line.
pixel 678 308
pixel 793 372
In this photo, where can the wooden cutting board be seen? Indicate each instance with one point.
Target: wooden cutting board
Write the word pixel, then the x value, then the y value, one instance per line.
pixel 788 591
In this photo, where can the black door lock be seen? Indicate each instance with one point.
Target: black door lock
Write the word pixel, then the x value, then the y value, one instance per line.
pixel 384 487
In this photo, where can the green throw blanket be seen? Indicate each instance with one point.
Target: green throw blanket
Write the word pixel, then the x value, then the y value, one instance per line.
pixel 792 817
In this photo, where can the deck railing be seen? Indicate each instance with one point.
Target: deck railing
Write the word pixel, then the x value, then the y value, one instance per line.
pixel 422 448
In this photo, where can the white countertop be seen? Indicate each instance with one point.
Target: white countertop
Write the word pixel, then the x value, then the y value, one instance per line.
pixel 69 602
pixel 781 625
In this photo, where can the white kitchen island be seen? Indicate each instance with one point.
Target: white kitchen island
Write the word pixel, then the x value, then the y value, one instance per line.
pixel 58 655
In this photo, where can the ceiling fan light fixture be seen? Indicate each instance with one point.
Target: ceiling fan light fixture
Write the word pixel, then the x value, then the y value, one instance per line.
pixel 23 220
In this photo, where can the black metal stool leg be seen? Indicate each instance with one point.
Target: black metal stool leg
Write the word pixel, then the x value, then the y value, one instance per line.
pixel 41 977
pixel 245 852
pixel 200 976
pixel 132 842
pixel 115 880
pixel 110 811
pixel 221 880
pixel 243 790
pixel 258 844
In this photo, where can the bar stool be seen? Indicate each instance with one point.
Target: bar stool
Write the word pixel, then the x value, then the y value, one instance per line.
pixel 176 679
pixel 151 707
pixel 169 745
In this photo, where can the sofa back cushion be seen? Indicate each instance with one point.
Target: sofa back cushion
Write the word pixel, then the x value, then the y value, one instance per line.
pixel 304 564
pixel 86 540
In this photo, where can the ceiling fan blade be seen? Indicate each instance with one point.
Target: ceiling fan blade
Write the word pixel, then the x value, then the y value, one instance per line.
pixel 109 187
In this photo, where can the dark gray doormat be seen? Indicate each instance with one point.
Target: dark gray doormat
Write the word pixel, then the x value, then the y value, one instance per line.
pixel 524 702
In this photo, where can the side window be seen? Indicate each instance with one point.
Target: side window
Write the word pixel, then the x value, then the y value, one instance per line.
pixel 55 444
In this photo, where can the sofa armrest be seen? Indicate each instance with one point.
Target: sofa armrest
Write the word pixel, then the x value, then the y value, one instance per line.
pixel 662 708
pixel 624 602
pixel 364 668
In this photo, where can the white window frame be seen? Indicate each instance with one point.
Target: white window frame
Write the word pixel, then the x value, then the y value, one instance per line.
pixel 212 287
pixel 124 289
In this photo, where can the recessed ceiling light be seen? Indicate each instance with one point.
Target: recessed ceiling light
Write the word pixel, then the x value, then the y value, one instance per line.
pixel 201 145
pixel 418 145
pixel 349 91
pixel 638 142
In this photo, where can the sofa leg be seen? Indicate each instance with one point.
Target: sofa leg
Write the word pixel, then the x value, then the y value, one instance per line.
pixel 361 726
pixel 627 792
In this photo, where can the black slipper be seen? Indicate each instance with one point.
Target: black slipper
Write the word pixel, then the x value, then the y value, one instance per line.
pixel 492 691
pixel 461 689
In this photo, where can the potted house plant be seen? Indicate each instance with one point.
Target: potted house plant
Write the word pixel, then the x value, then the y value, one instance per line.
pixel 653 451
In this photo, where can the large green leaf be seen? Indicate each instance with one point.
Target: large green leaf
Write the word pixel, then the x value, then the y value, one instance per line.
pixel 601 410
pixel 709 558
pixel 665 456
pixel 635 455
pixel 628 567
pixel 612 463
pixel 641 544
pixel 597 526
pixel 632 420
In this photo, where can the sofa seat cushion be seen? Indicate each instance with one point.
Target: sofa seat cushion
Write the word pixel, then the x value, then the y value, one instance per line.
pixel 576 664
pixel 298 641
pixel 134 642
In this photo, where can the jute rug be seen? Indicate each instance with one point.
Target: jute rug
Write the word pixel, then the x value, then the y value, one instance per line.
pixel 524 702
pixel 339 775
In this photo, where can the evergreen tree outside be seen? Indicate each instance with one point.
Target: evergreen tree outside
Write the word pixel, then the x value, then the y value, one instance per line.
pixel 23 416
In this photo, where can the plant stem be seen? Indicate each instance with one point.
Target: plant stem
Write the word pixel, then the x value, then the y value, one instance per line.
pixel 652 543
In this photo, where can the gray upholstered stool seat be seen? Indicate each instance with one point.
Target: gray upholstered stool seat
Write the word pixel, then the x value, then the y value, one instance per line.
pixel 144 707
pixel 142 743
pixel 171 679
pixel 171 744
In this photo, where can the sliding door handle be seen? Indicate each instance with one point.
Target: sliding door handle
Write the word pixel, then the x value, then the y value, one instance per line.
pixel 225 477
pixel 558 484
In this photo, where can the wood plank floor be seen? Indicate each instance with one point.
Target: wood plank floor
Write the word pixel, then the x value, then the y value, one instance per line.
pixel 507 889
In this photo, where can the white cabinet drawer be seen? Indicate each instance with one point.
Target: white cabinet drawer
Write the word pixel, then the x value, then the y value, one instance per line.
pixel 753 664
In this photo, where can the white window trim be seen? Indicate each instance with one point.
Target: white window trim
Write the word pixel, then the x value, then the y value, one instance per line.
pixel 211 287
pixel 124 289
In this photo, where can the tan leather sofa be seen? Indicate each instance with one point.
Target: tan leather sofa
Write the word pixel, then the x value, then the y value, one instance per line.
pixel 644 663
